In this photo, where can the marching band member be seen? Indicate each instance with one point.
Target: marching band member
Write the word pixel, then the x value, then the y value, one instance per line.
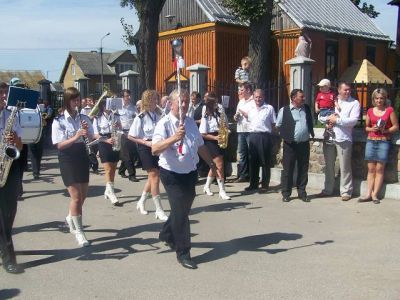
pixel 103 127
pixel 209 127
pixel 128 151
pixel 262 121
pixel 9 192
pixel 179 174
pixel 68 132
pixel 94 164
pixel 141 132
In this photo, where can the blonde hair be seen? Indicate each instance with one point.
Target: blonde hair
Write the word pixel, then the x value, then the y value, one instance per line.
pixel 146 98
pixel 174 94
pixel 380 91
pixel 246 58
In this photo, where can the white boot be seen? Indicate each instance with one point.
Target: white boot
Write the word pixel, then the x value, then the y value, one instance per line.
pixel 70 224
pixel 160 214
pixel 109 193
pixel 140 205
pixel 79 234
pixel 206 188
pixel 222 193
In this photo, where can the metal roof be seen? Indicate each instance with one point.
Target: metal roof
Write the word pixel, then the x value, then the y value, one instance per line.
pixel 90 62
pixel 30 78
pixel 335 16
pixel 216 12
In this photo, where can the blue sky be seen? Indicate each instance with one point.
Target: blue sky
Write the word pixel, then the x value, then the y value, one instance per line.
pixel 37 34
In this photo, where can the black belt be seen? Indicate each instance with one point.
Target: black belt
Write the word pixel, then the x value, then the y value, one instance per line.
pixel 125 130
pixel 105 134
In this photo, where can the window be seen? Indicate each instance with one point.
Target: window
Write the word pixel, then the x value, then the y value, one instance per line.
pixel 331 60
pixel 73 69
pixel 371 51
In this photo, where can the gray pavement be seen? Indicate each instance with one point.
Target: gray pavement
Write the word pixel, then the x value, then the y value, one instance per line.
pixel 251 247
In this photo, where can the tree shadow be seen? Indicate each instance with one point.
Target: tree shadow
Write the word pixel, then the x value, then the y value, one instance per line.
pixel 9 293
pixel 255 243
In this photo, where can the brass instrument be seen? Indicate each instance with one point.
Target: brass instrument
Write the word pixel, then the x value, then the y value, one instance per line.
pixel 116 133
pixel 95 109
pixel 223 132
pixel 8 153
pixel 44 119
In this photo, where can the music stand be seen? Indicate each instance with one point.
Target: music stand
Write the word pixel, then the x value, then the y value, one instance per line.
pixel 17 95
pixel 114 104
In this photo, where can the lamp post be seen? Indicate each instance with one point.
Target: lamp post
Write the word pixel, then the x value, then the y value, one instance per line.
pixel 101 59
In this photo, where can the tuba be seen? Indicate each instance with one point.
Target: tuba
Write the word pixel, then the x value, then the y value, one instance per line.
pixel 223 131
pixel 8 153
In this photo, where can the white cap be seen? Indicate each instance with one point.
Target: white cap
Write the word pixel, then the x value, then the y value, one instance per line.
pixel 324 82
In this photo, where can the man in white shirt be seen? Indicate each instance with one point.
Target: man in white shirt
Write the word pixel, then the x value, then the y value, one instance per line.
pixel 344 121
pixel 244 105
pixel 178 147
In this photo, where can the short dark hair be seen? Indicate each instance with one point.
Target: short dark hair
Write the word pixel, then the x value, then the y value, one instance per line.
pixel 125 91
pixel 340 83
pixel 294 93
pixel 246 86
pixel 196 94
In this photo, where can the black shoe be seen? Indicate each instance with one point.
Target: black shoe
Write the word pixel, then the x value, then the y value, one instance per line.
pixel 36 176
pixel 187 262
pixel 251 188
pixel 171 245
pixel 304 198
pixel 13 268
pixel 122 175
pixel 241 179
pixel 133 178
pixel 285 199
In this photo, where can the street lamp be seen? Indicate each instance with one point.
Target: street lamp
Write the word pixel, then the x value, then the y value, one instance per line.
pixel 101 59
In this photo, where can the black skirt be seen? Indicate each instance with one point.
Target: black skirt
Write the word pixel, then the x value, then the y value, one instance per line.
pixel 149 161
pixel 213 147
pixel 107 154
pixel 74 164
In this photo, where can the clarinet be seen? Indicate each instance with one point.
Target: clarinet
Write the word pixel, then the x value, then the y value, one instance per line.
pixel 84 138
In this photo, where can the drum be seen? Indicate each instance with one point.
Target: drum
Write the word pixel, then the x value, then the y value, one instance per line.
pixel 31 123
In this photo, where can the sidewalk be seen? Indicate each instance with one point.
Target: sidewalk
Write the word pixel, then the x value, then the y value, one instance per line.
pixel 251 247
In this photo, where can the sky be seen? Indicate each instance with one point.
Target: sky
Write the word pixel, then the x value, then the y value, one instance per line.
pixel 38 34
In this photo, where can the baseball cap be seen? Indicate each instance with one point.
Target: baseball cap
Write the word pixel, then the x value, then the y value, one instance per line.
pixel 15 81
pixel 324 82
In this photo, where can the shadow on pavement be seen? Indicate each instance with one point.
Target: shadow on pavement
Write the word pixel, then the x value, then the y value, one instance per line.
pixel 226 206
pixel 9 293
pixel 255 243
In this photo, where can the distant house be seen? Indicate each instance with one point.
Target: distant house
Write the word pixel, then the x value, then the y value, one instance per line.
pixel 29 78
pixel 341 35
pixel 83 70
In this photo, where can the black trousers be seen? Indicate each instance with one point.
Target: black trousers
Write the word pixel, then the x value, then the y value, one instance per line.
pixel 8 210
pixel 260 148
pixel 36 154
pixel 93 162
pixel 180 189
pixel 292 153
pixel 128 155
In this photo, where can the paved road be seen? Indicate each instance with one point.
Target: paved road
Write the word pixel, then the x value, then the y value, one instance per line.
pixel 252 247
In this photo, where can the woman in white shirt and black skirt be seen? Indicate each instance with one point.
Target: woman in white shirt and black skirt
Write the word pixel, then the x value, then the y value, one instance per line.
pixel 103 128
pixel 141 132
pixel 68 134
pixel 209 128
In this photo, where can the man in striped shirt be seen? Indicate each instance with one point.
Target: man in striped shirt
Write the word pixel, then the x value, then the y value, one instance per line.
pixel 242 73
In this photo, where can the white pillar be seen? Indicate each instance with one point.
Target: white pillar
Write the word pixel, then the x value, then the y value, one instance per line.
pixel 198 78
pixel 130 82
pixel 301 75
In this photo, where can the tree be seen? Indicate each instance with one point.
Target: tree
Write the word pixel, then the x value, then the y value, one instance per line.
pixel 145 39
pixel 259 14
pixel 367 9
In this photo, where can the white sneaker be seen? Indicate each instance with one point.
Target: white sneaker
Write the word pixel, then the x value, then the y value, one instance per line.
pixel 81 239
pixel 207 191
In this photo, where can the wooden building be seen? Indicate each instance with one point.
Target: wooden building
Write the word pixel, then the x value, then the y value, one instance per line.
pixel 341 35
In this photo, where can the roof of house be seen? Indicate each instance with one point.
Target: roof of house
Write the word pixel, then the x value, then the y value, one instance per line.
pixel 336 16
pixel 364 71
pixel 29 78
pixel 216 12
pixel 90 62
pixel 394 2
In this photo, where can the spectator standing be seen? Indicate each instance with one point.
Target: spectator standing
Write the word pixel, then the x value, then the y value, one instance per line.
pixel 242 73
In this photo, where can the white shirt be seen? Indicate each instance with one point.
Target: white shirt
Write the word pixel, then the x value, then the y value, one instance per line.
pixel 209 124
pixel 103 124
pixel 348 117
pixel 126 115
pixel 170 159
pixel 4 114
pixel 86 110
pixel 261 118
pixel 143 125
pixel 243 124
pixel 65 127
pixel 192 108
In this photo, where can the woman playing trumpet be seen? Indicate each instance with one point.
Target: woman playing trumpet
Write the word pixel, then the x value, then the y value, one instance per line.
pixel 68 132
pixel 103 128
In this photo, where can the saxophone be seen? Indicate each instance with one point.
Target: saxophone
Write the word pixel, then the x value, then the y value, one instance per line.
pixel 223 131
pixel 116 134
pixel 8 152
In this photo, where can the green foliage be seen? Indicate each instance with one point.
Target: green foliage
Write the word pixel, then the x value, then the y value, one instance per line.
pixel 367 9
pixel 128 37
pixel 247 10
